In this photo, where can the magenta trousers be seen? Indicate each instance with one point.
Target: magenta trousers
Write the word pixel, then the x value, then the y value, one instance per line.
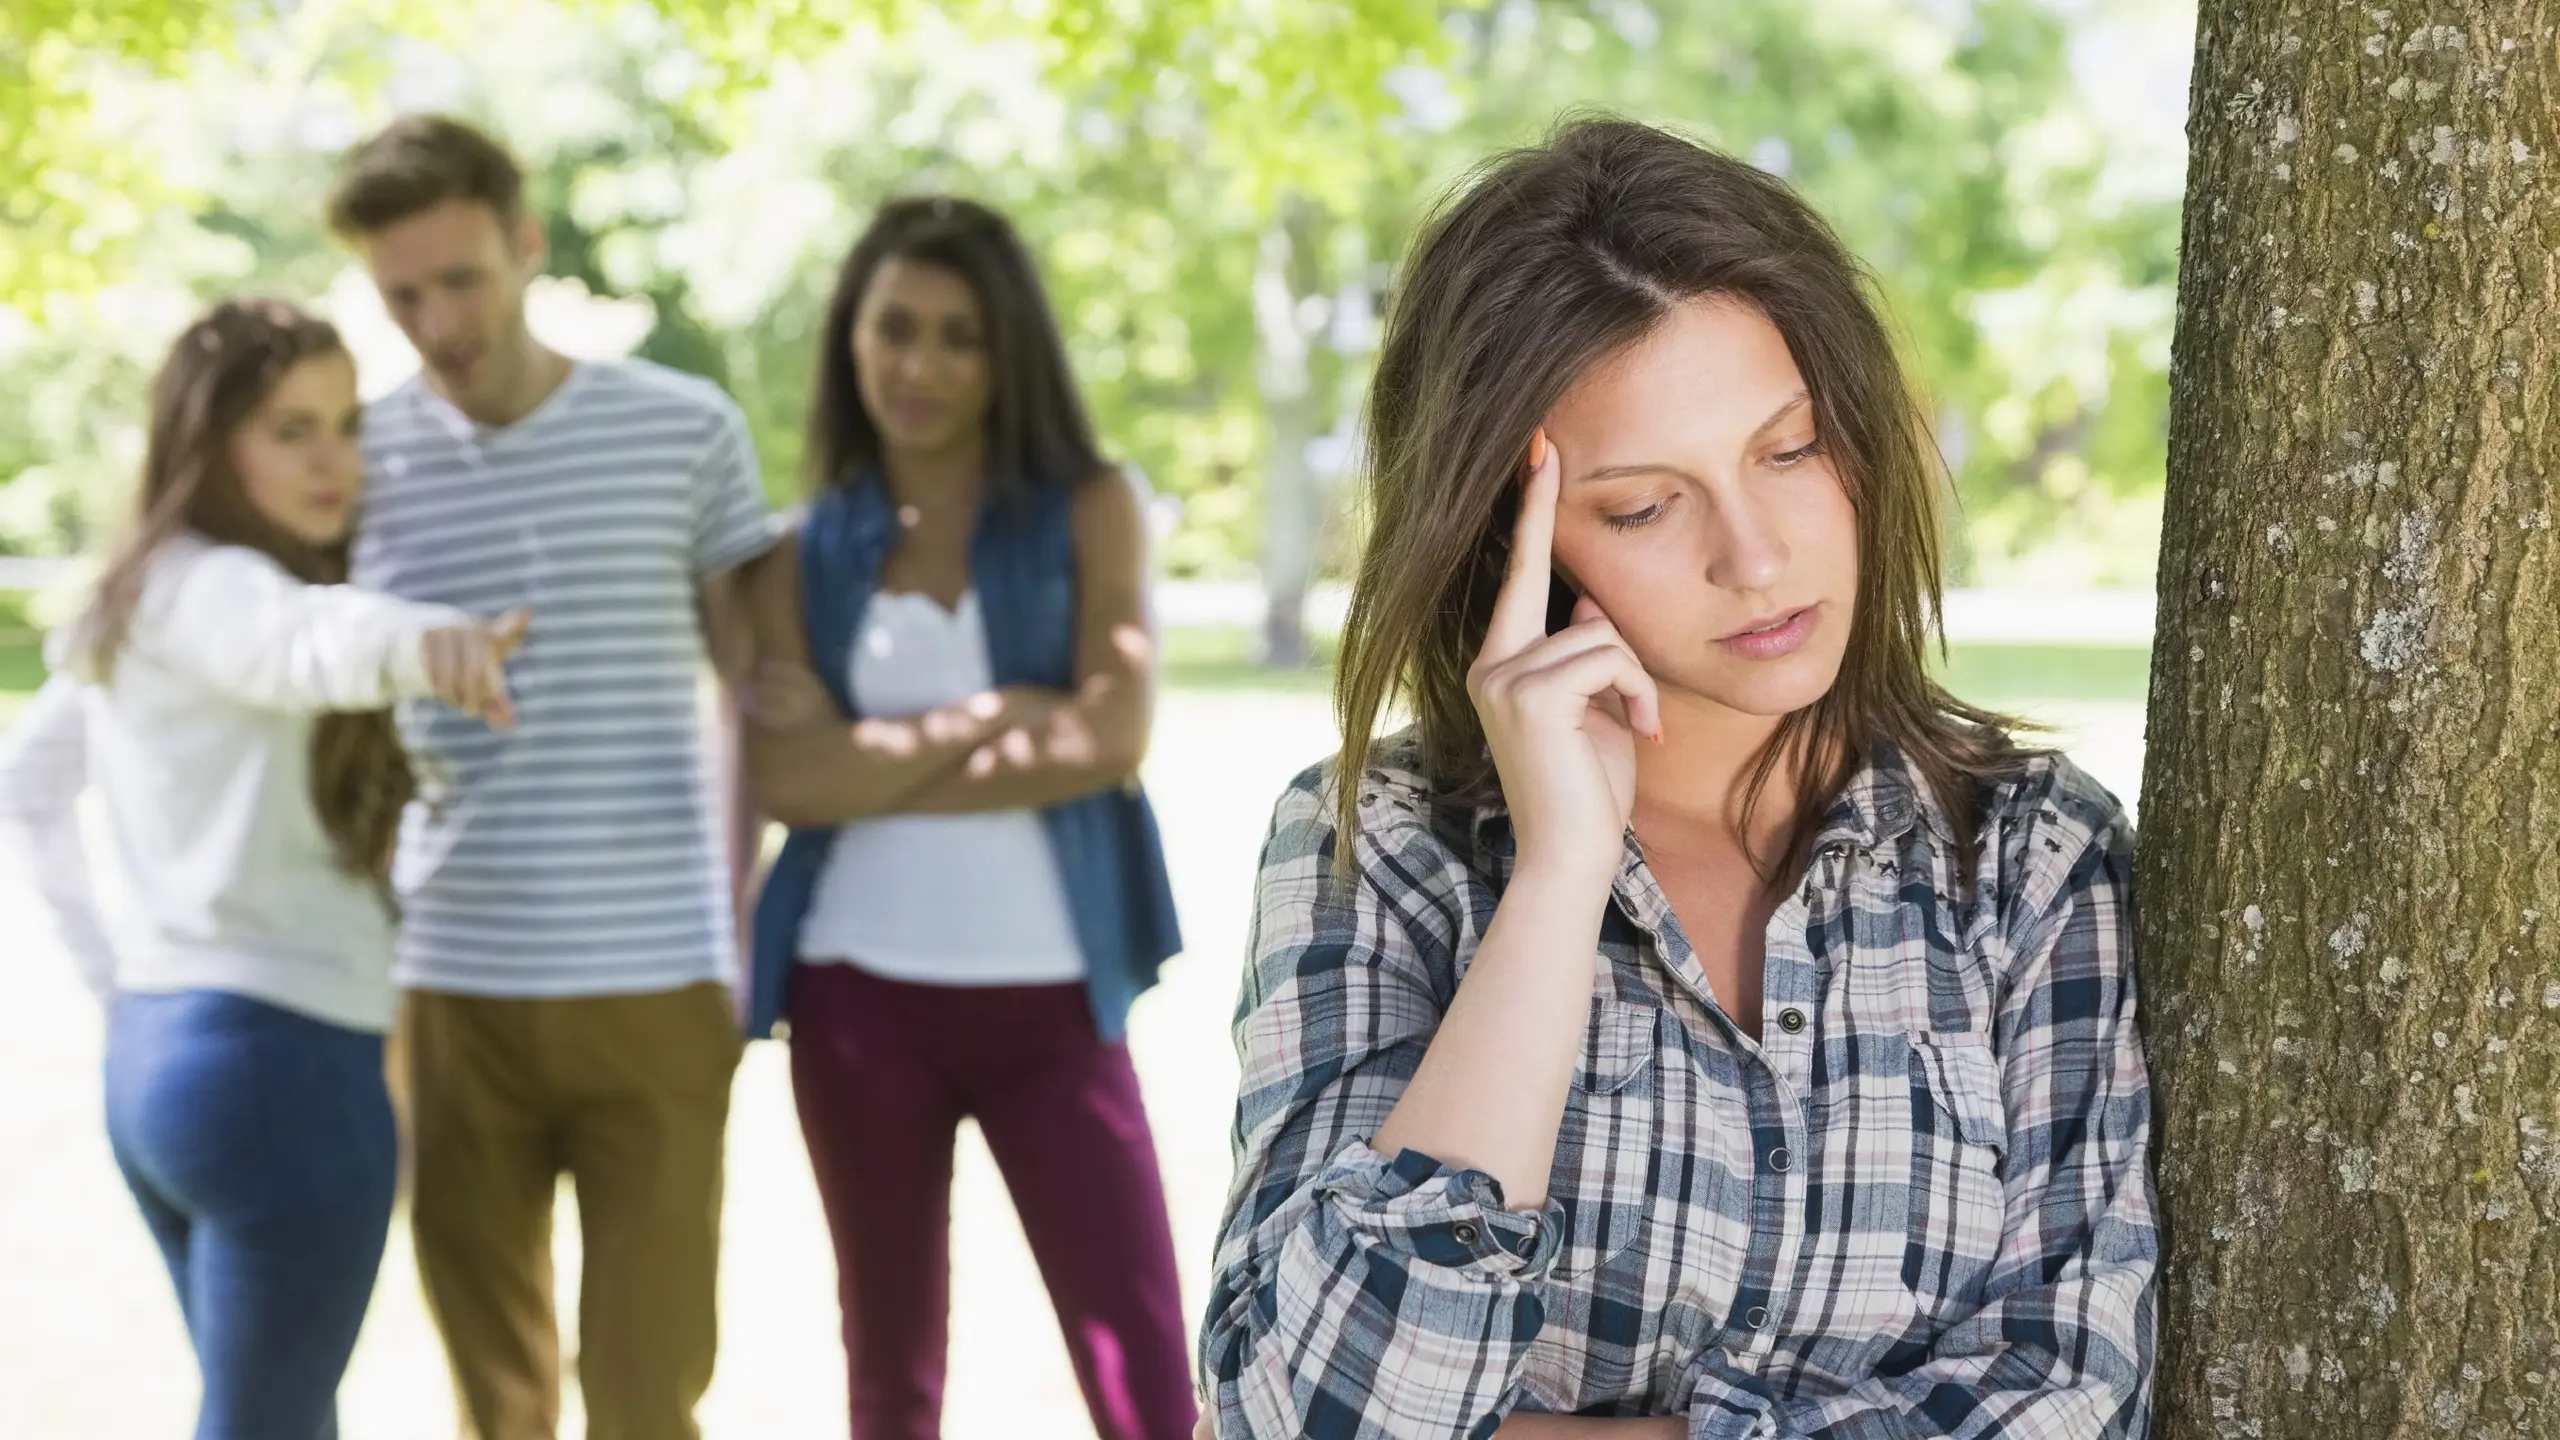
pixel 883 1071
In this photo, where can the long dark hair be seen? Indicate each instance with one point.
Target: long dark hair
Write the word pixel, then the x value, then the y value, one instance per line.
pixel 222 368
pixel 1555 258
pixel 1037 429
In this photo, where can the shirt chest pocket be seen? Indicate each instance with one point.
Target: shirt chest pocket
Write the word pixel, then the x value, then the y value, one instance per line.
pixel 1606 1148
pixel 1959 1154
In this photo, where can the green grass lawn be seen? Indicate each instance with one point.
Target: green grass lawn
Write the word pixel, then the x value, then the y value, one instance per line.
pixel 1222 659
pixel 2005 675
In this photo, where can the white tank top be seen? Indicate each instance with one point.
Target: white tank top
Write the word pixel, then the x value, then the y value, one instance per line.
pixel 938 899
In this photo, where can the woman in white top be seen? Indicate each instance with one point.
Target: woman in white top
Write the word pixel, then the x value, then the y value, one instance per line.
pixel 227 694
pixel 955 697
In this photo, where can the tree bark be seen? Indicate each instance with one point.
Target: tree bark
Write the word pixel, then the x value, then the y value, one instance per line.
pixel 1292 510
pixel 2349 884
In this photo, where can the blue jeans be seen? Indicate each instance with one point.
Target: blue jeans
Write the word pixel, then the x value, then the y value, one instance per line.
pixel 261 1147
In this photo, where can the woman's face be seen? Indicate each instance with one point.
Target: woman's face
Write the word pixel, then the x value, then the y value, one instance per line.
pixel 1701 511
pixel 920 352
pixel 298 455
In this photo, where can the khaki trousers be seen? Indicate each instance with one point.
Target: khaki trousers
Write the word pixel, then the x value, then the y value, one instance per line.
pixel 629 1096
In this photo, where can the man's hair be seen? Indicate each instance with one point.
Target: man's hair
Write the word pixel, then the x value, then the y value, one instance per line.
pixel 417 163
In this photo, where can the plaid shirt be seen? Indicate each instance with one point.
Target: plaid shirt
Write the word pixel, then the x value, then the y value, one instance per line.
pixel 1920 1204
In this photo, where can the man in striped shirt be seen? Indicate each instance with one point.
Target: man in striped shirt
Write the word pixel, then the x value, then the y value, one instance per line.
pixel 568 905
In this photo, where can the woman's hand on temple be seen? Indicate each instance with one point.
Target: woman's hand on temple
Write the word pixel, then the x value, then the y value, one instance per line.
pixel 466 665
pixel 1561 712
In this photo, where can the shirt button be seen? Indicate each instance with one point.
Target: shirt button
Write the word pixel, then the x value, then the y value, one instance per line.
pixel 1779 1160
pixel 1791 1020
pixel 1758 1319
pixel 1463 1233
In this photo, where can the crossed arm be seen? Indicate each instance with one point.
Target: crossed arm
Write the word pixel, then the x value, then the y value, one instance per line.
pixel 1001 749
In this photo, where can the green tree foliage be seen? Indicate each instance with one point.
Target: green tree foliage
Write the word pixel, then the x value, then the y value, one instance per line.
pixel 66 194
pixel 714 158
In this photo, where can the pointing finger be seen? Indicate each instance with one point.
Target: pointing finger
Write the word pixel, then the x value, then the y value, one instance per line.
pixel 1520 610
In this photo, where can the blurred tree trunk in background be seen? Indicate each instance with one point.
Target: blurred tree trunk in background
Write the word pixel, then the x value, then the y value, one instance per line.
pixel 1292 505
pixel 2350 866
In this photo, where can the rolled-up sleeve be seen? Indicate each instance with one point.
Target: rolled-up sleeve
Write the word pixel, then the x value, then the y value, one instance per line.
pixel 1356 1294
pixel 2062 1347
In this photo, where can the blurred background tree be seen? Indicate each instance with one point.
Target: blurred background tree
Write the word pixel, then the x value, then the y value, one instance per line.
pixel 1220 193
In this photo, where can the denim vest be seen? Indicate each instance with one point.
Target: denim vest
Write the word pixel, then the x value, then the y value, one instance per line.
pixel 1109 856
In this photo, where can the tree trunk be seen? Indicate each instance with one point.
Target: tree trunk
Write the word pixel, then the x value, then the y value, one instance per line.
pixel 2350 891
pixel 1291 512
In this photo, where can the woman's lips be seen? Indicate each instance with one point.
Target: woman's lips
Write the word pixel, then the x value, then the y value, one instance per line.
pixel 1777 640
pixel 913 411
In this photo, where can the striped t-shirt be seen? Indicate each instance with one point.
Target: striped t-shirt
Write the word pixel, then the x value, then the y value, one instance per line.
pixel 575 854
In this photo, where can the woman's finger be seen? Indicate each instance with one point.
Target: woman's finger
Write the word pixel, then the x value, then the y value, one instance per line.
pixel 1589 627
pixel 507 631
pixel 1644 706
pixel 445 655
pixel 465 692
pixel 1520 609
pixel 1643 715
pixel 1604 669
pixel 1611 706
pixel 1551 649
pixel 496 708
pixel 471 665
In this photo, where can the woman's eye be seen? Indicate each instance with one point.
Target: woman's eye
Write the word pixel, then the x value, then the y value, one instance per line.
pixel 1790 459
pixel 293 432
pixel 1633 519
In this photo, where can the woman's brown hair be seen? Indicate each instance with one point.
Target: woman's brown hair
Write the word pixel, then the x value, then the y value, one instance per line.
pixel 1555 258
pixel 1037 430
pixel 218 373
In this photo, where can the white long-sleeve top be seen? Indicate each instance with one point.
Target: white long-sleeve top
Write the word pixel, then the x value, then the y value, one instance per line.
pixel 199 741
